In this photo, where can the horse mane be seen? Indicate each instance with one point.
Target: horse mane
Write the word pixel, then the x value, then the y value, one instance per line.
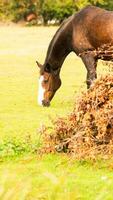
pixel 62 27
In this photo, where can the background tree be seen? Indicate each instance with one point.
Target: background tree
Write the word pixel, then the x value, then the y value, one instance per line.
pixel 56 10
pixel 21 8
pixel 61 9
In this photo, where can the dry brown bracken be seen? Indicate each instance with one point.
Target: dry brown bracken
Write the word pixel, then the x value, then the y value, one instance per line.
pixel 88 130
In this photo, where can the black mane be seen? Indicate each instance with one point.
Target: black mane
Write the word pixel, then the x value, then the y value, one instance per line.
pixel 56 35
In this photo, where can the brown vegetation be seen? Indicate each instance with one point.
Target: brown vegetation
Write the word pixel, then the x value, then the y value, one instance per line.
pixel 88 130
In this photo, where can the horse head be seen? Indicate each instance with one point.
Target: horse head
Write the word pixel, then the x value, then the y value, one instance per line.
pixel 49 83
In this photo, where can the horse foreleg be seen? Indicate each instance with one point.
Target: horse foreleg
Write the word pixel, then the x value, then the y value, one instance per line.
pixel 90 63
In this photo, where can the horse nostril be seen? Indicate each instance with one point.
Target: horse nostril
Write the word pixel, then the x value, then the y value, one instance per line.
pixel 45 103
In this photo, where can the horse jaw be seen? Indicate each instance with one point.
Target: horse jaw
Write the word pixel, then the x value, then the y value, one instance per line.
pixel 41 91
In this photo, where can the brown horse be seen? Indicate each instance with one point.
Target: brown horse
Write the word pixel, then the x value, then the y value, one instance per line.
pixel 88 33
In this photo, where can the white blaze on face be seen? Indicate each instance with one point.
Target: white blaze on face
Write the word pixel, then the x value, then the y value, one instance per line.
pixel 41 91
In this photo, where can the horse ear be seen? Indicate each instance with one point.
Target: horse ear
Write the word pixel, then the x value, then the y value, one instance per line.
pixel 38 64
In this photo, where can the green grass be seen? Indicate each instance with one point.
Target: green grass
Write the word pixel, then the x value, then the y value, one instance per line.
pixel 29 177
pixel 55 177
pixel 19 112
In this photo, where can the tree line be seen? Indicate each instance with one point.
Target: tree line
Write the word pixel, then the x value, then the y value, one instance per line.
pixel 46 10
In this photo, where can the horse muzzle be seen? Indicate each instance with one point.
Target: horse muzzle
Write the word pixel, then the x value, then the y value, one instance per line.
pixel 46 103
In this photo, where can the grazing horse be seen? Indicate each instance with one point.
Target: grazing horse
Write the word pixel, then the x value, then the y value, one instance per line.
pixel 88 33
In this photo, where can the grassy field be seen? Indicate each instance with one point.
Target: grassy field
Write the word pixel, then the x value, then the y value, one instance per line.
pixel 20 48
pixel 52 177
pixel 55 178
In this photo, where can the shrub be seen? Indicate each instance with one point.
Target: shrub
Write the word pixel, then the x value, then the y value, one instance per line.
pixel 20 9
pixel 48 9
pixel 4 9
pixel 88 130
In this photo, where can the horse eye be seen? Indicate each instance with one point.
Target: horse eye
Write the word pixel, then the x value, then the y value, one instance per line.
pixel 45 81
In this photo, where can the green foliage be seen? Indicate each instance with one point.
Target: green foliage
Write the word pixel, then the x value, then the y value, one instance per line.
pixel 49 10
pixel 60 9
pixel 21 8
pixel 15 147
pixel 4 9
pixel 64 9
pixel 108 4
pixel 57 10
pixel 79 4
pixel 17 9
pixel 96 2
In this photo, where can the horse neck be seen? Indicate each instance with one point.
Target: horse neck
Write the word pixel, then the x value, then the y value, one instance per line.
pixel 60 46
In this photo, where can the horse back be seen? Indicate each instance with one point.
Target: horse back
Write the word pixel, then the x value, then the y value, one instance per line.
pixel 92 27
